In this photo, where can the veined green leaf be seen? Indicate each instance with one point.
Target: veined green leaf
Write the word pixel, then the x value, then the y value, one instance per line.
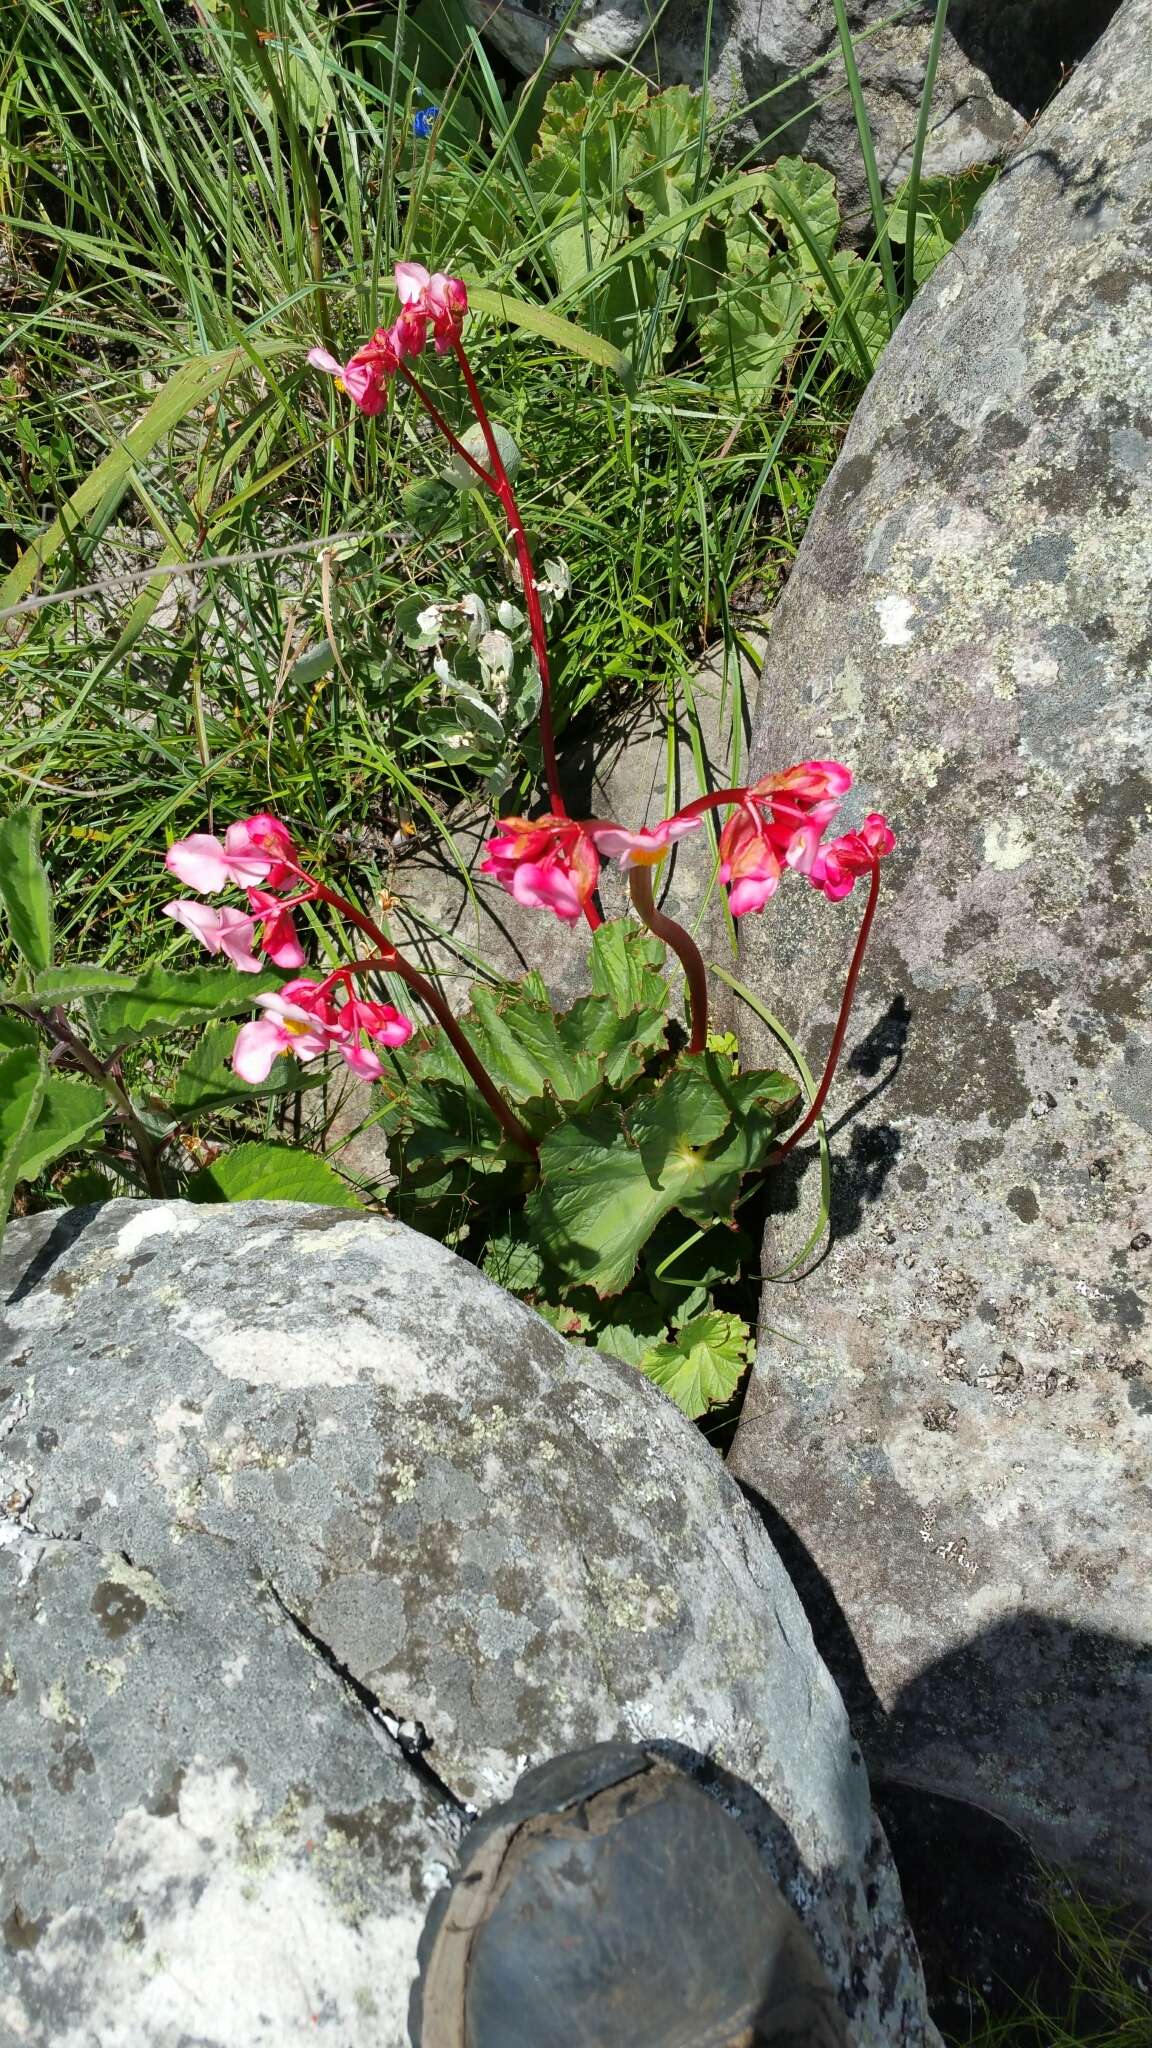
pixel 58 985
pixel 703 1363
pixel 23 1074
pixel 608 1177
pixel 162 1001
pixel 24 887
pixel 271 1173
pixel 70 1113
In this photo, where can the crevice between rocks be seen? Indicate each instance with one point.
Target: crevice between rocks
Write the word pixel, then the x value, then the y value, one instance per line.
pixel 407 1736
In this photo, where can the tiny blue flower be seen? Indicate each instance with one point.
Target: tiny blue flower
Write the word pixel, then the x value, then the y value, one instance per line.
pixel 423 122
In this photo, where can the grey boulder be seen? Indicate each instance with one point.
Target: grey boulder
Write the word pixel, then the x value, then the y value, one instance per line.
pixel 282 1484
pixel 953 1410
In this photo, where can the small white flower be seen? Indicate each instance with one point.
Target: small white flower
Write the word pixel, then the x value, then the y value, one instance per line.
pixel 431 620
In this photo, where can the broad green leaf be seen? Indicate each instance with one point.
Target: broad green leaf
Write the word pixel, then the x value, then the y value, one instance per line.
pixel 163 1001
pixel 630 1327
pixel 667 134
pixel 23 1074
pixel 271 1173
pixel 625 966
pixel 609 1177
pixel 206 1081
pixel 513 1263
pixel 857 295
pixel 756 324
pixel 187 388
pixel 703 1363
pixel 802 197
pixel 24 887
pixel 90 1185
pixel 945 207
pixel 16 1031
pixel 57 985
pixel 70 1113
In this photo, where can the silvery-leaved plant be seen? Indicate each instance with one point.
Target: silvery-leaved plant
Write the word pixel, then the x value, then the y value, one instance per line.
pixel 485 680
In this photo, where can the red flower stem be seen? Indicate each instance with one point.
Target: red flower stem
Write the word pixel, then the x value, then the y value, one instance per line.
pixel 434 1003
pixel 837 1046
pixel 441 423
pixel 685 949
pixel 503 488
pixel 715 797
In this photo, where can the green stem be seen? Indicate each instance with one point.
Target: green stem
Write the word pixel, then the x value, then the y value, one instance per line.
pixel 684 947
pixel 147 1151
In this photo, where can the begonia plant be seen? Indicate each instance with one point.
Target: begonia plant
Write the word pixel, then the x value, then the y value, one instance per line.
pixel 594 1160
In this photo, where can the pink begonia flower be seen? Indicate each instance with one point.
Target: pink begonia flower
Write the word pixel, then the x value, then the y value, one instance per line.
pixel 441 299
pixel 750 865
pixel 301 1019
pixel 548 863
pixel 366 373
pixel 278 936
pixel 643 849
pixel 839 865
pixel 222 931
pixel 779 825
pixel 285 1027
pixel 254 850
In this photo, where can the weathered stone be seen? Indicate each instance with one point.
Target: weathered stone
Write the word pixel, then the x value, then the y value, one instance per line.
pixel 954 1409
pixel 206 1836
pixel 998 65
pixel 519 1546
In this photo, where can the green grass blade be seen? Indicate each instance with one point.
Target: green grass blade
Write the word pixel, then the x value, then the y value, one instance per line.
pixel 868 152
pixel 912 195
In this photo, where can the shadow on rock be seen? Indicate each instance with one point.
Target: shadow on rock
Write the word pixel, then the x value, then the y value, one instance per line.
pixel 1072 1700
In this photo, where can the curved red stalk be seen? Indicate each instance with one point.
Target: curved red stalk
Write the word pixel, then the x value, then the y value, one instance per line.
pixel 837 1046
pixel 684 947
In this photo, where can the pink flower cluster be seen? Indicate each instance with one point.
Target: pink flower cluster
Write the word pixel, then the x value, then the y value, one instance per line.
pixel 257 849
pixel 780 823
pixel 433 301
pixel 553 863
pixel 303 1017
pixel 548 863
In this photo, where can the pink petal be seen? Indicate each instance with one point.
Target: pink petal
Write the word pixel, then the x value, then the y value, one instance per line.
pixel 412 281
pixel 362 1062
pixel 257 1045
pixel 323 359
pixel 235 940
pixel 541 887
pixel 393 1030
pixel 198 918
pixel 200 861
pixel 751 893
